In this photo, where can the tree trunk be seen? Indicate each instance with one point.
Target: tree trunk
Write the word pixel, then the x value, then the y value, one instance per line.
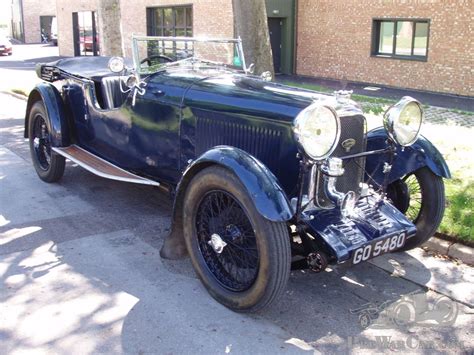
pixel 250 23
pixel 110 29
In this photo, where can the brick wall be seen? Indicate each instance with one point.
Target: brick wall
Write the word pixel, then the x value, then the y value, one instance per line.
pixel 32 10
pixel 65 8
pixel 333 37
pixel 334 41
pixel 212 18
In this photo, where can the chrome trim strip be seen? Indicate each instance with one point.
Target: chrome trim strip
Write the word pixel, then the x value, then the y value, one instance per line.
pixel 312 183
pixel 136 180
pixel 187 39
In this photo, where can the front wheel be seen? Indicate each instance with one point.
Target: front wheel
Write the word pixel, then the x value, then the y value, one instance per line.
pixel 420 196
pixel 242 258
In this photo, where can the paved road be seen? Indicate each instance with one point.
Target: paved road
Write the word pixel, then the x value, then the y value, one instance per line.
pixel 17 71
pixel 79 269
pixel 25 56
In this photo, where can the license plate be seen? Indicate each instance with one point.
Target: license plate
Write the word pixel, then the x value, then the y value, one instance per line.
pixel 379 247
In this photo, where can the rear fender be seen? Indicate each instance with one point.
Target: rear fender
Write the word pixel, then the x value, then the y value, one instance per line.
pixel 53 103
pixel 408 159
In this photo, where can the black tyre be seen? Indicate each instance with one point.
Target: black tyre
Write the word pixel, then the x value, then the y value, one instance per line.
pixel 48 165
pixel 420 196
pixel 242 258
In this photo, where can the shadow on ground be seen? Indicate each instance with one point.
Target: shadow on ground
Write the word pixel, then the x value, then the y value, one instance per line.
pixel 160 296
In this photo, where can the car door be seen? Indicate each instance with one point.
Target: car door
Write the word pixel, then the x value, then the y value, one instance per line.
pixel 104 132
pixel 155 125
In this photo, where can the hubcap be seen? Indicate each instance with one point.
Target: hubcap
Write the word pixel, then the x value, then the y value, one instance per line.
pixel 217 243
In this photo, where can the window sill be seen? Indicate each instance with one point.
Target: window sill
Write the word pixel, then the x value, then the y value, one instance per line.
pixel 400 57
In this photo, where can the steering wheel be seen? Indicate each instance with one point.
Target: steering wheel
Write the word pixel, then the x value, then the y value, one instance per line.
pixel 160 58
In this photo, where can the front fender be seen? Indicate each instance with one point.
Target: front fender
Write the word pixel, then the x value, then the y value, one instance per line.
pixel 269 198
pixel 59 127
pixel 421 153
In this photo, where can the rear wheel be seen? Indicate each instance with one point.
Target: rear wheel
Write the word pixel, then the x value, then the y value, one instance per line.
pixel 48 165
pixel 420 196
pixel 242 258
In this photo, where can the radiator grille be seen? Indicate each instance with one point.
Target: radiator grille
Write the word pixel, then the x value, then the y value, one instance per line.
pixel 261 142
pixel 352 127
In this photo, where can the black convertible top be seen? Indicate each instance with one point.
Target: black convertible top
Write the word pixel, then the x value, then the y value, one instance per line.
pixel 86 67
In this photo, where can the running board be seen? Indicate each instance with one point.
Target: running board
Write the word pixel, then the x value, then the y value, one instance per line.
pixel 101 167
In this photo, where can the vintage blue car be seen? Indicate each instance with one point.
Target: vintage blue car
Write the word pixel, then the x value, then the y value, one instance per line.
pixel 264 177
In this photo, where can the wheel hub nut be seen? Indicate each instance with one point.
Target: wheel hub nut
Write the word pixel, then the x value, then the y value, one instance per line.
pixel 217 243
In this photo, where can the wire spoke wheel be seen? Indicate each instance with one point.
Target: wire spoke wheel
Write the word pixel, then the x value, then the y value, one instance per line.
pixel 415 197
pixel 227 241
pixel 41 142
pixel 420 196
pixel 242 258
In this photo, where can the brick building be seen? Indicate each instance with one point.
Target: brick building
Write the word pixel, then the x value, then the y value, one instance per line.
pixel 346 40
pixel 417 44
pixel 30 18
pixel 79 27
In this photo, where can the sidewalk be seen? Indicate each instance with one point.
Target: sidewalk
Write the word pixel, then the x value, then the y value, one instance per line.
pixel 18 71
pixel 439 115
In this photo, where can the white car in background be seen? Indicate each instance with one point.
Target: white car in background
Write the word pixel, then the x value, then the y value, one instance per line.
pixel 5 46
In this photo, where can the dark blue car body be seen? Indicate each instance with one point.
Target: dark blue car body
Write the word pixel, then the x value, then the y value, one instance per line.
pixel 192 118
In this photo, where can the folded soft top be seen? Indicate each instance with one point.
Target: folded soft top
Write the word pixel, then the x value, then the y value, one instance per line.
pixel 86 67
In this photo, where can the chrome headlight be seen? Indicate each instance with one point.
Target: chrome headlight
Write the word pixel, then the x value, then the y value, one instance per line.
pixel 403 121
pixel 116 64
pixel 317 130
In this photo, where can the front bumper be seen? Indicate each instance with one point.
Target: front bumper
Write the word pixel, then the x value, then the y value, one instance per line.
pixel 375 220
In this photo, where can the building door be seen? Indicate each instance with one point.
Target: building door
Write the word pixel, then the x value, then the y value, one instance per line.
pixel 46 23
pixel 86 38
pixel 275 26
